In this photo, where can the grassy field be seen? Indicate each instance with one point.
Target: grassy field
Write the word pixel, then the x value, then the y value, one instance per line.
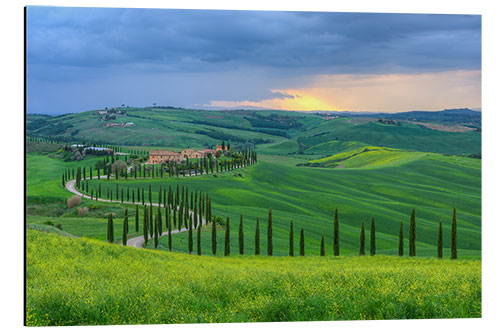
pixel 368 157
pixel 367 169
pixel 73 281
pixel 432 184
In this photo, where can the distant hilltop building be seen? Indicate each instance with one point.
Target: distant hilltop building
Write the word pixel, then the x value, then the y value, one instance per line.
pixel 127 124
pixel 162 156
pixel 219 147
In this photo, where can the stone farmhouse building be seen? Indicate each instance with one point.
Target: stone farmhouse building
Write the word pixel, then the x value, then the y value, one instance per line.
pixel 161 156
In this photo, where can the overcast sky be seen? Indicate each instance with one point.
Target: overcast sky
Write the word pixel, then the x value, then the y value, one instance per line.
pixel 88 58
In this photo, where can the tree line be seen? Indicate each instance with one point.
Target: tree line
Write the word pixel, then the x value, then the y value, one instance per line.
pixel 192 222
pixel 110 166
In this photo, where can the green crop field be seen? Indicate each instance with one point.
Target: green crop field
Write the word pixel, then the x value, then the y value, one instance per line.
pixel 72 281
pixel 307 167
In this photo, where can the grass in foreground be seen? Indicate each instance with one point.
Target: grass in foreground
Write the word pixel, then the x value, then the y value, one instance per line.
pixel 73 281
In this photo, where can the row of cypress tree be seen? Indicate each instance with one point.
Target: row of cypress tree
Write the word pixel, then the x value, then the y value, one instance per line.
pixel 192 221
pixel 174 169
pixel 336 245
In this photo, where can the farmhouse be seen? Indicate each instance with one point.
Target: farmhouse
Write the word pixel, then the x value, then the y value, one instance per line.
pixel 161 156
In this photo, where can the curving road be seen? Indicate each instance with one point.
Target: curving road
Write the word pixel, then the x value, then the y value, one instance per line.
pixel 136 241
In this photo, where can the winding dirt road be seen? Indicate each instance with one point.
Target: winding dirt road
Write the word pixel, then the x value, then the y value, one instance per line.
pixel 136 241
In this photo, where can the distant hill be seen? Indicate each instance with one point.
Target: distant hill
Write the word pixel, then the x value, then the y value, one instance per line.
pixel 270 131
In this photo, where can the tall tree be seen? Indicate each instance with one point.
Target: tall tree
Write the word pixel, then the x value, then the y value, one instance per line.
pixel 412 235
pixel 302 243
pixel 136 218
pixel 362 239
pixel 257 238
pixel 145 226
pixel 190 238
pixel 160 223
pixel 198 240
pixel 111 235
pixel 125 228
pixel 227 245
pixel 156 231
pixel 401 250
pixel 454 235
pixel 241 236
pixel 270 233
pixel 440 241
pixel 214 236
pixel 322 246
pixel 169 226
pixel 336 244
pixel 290 253
pixel 151 222
pixel 372 237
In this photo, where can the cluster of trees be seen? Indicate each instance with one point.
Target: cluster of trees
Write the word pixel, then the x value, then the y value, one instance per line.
pixel 114 167
pixel 183 209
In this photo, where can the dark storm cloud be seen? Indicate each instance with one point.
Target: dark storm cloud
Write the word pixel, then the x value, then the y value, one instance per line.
pixel 189 40
pixel 84 58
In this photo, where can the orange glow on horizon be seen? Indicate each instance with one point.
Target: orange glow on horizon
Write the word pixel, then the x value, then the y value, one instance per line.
pixel 375 92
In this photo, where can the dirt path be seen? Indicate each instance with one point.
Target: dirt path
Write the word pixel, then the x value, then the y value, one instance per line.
pixel 136 241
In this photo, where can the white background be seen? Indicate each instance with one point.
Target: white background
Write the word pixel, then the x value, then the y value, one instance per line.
pixel 12 136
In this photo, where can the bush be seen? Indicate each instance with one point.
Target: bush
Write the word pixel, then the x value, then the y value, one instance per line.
pixel 49 222
pixel 83 211
pixel 74 201
pixel 59 226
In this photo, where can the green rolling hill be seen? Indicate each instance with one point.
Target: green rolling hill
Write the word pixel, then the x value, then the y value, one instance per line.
pixel 274 132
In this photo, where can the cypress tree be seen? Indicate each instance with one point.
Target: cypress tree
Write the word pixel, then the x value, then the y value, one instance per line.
pixel 151 222
pixel 257 238
pixel 270 233
pixel 136 218
pixel 198 240
pixel 302 243
pixel 372 238
pixel 142 196
pixel 133 197
pixel 128 193
pixel 63 181
pixel 291 240
pixel 227 246
pixel 336 244
pixel 241 236
pixel 190 238
pixel 111 236
pixel 322 246
pixel 214 236
pixel 362 239
pixel 125 228
pixel 169 232
pixel 145 226
pixel 156 231
pixel 412 236
pixel 454 235
pixel 440 241
pixel 401 250
pixel 160 224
